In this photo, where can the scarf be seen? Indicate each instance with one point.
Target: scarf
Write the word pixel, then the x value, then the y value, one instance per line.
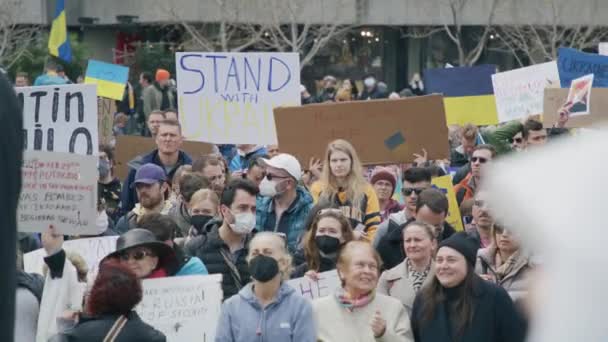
pixel 506 267
pixel 158 273
pixel 417 277
pixel 141 211
pixel 346 301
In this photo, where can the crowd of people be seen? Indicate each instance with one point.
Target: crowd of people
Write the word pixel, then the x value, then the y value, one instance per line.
pixel 259 217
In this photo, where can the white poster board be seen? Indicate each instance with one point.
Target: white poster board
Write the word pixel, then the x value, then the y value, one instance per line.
pixel 183 308
pixel 60 118
pixel 520 93
pixel 311 289
pixel 227 98
pixel 92 250
pixel 58 189
pixel 603 49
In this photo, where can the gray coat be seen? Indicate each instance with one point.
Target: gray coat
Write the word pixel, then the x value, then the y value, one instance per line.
pixel 396 283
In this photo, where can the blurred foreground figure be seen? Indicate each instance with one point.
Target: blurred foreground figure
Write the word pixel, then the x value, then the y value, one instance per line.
pixel 572 247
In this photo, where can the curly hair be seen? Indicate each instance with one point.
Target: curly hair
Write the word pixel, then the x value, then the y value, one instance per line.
pixel 116 290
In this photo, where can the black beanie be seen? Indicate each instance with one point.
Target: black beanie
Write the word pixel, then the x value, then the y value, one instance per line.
pixel 464 244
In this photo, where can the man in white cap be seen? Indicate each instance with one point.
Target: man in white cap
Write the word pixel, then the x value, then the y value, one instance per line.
pixel 283 205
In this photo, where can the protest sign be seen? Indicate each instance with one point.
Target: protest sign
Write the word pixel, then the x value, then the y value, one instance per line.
pixel 573 64
pixel 556 98
pixel 129 147
pixel 227 98
pixel 111 79
pixel 105 119
pixel 60 118
pixel 444 184
pixel 183 308
pixel 382 131
pixel 519 93
pixel 58 189
pixel 92 250
pixel 467 91
pixel 603 49
pixel 313 289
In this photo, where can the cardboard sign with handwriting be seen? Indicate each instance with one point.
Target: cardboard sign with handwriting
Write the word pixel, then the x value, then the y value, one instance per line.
pixel 556 98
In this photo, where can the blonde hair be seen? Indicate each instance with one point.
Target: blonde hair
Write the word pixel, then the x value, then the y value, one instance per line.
pixel 282 244
pixel 469 132
pixel 343 95
pixel 346 252
pixel 355 182
pixel 203 195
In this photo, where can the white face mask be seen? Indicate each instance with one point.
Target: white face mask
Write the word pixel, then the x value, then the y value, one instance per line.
pixel 268 188
pixel 243 224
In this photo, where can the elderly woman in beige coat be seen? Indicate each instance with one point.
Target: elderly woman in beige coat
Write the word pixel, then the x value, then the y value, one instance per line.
pixel 505 263
pixel 404 280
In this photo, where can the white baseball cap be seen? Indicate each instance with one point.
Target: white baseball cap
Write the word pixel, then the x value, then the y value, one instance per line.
pixel 285 162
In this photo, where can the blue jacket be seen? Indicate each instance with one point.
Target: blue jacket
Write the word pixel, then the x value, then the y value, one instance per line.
pixel 194 266
pixel 49 79
pixel 288 318
pixel 240 163
pixel 128 198
pixel 292 221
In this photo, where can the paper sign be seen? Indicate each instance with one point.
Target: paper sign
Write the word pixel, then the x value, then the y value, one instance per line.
pixel 58 189
pixel 60 118
pixel 579 96
pixel 555 99
pixel 444 184
pixel 519 93
pixel 227 98
pixel 92 250
pixel 183 308
pixel 105 119
pixel 603 49
pixel 382 131
pixel 111 79
pixel 573 64
pixel 311 289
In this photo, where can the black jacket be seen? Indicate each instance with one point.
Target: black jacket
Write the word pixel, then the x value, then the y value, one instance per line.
pixel 325 265
pixel 495 317
pixel 95 329
pixel 32 282
pixel 390 246
pixel 208 247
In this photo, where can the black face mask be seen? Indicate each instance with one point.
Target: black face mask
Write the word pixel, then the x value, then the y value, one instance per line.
pixel 199 221
pixel 327 244
pixel 263 268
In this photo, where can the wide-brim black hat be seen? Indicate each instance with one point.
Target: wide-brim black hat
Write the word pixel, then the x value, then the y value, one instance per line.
pixel 139 237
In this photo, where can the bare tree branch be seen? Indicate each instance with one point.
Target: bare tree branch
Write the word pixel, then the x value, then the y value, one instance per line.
pixel 15 38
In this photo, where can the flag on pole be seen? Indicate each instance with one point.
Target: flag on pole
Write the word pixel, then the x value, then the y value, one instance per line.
pixel 59 43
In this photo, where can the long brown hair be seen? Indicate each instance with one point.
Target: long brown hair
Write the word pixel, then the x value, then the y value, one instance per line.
pixel 461 314
pixel 356 183
pixel 311 251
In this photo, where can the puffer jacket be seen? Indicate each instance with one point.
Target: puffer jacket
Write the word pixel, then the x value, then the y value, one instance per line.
pixel 516 282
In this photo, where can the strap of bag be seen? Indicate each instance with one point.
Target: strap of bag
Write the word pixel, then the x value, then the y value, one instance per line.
pixel 234 272
pixel 116 329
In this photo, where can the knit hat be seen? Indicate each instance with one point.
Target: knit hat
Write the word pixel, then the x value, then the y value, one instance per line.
pixel 464 244
pixel 162 75
pixel 384 174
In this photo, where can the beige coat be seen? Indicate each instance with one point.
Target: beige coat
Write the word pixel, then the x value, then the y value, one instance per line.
pixel 396 283
pixel 337 324
pixel 516 283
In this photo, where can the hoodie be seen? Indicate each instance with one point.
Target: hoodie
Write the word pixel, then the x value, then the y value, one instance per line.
pixel 288 318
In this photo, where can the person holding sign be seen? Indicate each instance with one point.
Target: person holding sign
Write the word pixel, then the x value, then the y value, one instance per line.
pixel 267 309
pixel 356 312
pixel 342 183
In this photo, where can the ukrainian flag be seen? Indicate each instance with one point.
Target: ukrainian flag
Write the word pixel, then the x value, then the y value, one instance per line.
pixel 59 42
pixel 468 93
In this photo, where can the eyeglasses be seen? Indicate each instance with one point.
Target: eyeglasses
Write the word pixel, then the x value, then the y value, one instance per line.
pixel 136 255
pixel 270 177
pixel 408 191
pixel 481 160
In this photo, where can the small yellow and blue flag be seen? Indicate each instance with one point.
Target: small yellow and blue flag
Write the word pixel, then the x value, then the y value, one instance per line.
pixel 59 42
pixel 110 78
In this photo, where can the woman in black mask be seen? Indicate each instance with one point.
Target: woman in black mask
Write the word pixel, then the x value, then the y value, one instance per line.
pixel 203 209
pixel 329 231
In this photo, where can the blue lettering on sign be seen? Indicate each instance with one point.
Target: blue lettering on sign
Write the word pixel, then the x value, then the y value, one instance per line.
pixel 272 59
pixel 445 191
pixel 233 73
pixel 248 68
pixel 215 57
pixel 183 66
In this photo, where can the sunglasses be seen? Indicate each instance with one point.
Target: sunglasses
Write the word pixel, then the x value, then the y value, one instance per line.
pixel 517 140
pixel 481 160
pixel 408 191
pixel 136 255
pixel 271 177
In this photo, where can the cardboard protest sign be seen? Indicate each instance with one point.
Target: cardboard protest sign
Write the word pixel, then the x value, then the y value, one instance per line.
pixel 519 93
pixel 92 250
pixel 382 131
pixel 105 119
pixel 573 64
pixel 444 184
pixel 129 147
pixel 183 308
pixel 58 189
pixel 227 98
pixel 579 96
pixel 556 98
pixel 311 289
pixel 60 118
pixel 111 79
pixel 467 91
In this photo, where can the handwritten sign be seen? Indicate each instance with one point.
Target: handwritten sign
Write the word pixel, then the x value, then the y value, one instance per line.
pixel 92 250
pixel 105 119
pixel 603 49
pixel 58 189
pixel 444 184
pixel 60 118
pixel 555 99
pixel 573 64
pixel 325 286
pixel 227 98
pixel 183 308
pixel 111 79
pixel 519 93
